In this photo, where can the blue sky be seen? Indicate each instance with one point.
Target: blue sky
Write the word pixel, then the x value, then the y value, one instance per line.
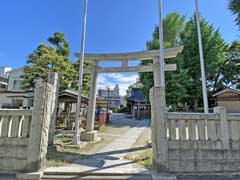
pixel 113 26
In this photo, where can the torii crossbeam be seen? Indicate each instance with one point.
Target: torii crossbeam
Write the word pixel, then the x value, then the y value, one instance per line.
pixel 132 56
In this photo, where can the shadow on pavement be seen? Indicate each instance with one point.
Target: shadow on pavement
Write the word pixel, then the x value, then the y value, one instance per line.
pixel 95 160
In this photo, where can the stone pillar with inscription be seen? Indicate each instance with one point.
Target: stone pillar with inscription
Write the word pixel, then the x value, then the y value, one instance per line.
pixel 54 80
pixel 41 115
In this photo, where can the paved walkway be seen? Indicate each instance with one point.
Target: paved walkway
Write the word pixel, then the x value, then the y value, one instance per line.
pixel 110 158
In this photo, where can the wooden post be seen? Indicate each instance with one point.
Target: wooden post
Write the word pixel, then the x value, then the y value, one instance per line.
pixel 133 110
pixel 138 112
pixel 38 142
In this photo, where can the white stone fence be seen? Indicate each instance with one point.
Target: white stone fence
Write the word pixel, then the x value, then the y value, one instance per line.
pixel 217 126
pixel 14 139
pixel 203 143
pixel 14 124
pixel 24 133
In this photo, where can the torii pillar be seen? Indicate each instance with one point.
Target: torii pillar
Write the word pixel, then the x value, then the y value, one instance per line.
pixel 90 134
pixel 159 123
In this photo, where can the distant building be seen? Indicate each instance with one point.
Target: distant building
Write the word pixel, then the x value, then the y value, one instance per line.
pixel 13 95
pixel 228 98
pixel 139 106
pixel 3 83
pixel 4 74
pixel 4 71
pixel 112 96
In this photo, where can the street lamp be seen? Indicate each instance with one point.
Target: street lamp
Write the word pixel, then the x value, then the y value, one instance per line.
pixel 76 139
pixel 204 88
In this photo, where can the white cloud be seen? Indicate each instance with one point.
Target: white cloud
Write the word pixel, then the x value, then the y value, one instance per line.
pixel 124 80
pixel 121 78
pixel 101 79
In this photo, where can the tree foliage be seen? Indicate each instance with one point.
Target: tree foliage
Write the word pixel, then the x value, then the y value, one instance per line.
pixel 173 26
pixel 43 60
pixel 53 58
pixel 184 86
pixel 86 78
pixel 213 48
pixel 234 6
pixel 229 71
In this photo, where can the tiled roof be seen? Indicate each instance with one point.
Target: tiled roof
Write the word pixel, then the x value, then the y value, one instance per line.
pixel 227 90
pixel 71 93
pixel 138 96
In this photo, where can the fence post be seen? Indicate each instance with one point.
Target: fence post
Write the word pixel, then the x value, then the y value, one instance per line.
pixel 54 80
pixel 224 126
pixel 38 142
pixel 159 130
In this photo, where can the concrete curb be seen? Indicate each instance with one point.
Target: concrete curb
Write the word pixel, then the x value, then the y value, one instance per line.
pixel 30 176
pixel 92 171
pixel 160 176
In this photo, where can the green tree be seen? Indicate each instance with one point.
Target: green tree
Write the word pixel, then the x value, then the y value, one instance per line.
pixel 86 78
pixel 184 85
pixel 234 6
pixel 173 26
pixel 213 47
pixel 229 71
pixel 49 58
pixel 61 44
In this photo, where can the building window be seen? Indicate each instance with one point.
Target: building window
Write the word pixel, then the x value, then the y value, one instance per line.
pixel 3 86
pixel 17 84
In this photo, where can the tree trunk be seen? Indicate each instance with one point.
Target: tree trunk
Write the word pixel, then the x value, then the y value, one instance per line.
pixel 195 104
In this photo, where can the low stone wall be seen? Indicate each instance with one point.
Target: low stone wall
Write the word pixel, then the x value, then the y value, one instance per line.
pixel 24 133
pixel 14 138
pixel 203 143
pixel 189 160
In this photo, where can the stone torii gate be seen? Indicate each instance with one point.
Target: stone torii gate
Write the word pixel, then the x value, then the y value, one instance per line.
pixel 124 58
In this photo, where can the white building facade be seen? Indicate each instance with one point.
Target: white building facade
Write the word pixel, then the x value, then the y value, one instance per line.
pixel 112 96
pixel 13 95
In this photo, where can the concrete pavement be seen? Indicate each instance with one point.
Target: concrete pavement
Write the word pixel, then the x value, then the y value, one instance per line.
pixel 110 159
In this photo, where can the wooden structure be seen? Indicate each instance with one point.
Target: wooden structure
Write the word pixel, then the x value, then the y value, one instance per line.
pixel 228 98
pixel 139 106
pixel 67 110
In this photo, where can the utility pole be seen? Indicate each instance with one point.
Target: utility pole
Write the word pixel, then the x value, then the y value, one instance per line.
pixel 161 46
pixel 76 139
pixel 204 84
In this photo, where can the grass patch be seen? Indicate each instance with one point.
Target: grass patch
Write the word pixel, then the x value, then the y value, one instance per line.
pixel 63 139
pixel 143 158
pixel 56 163
pixel 62 156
